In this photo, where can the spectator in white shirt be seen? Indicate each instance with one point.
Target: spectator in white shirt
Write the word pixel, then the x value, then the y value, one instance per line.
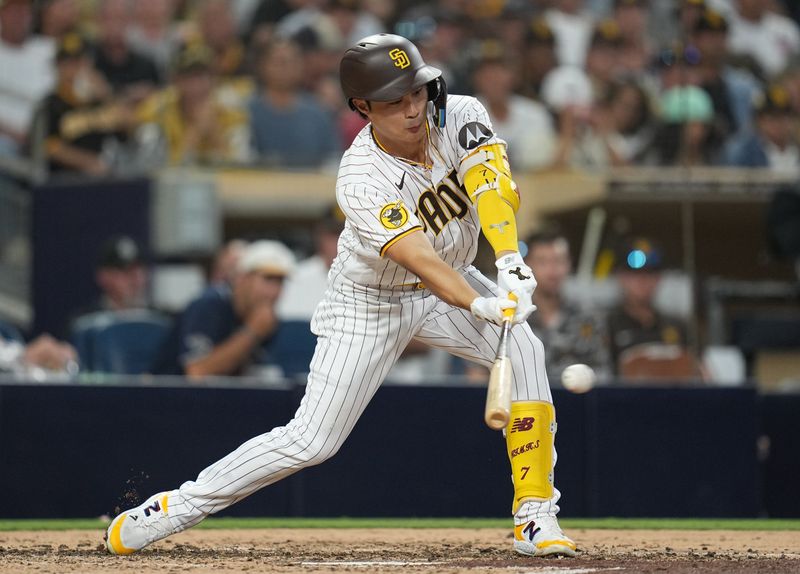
pixel 28 73
pixel 520 121
pixel 572 26
pixel 769 38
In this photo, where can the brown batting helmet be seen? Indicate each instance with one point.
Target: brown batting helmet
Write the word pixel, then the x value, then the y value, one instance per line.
pixel 386 67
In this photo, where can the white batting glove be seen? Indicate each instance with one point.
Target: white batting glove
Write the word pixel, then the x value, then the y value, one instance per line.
pixel 491 308
pixel 514 276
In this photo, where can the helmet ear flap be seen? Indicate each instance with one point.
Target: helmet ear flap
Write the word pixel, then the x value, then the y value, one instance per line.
pixel 437 93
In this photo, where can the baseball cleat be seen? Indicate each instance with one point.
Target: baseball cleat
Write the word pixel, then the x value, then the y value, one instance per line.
pixel 137 527
pixel 542 537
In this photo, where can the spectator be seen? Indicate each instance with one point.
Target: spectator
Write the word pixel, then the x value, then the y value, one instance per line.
pixel 572 26
pixel 131 76
pixel 636 50
pixel 288 127
pixel 539 57
pixel 217 28
pixel 27 74
pixel 352 21
pixel 569 95
pixel 769 38
pixel 689 13
pixel 188 119
pixel 774 143
pixel 57 18
pixel 154 34
pixel 686 136
pixel 603 59
pixel 43 352
pixel 635 320
pixel 82 130
pixel 520 121
pixel 623 123
pixel 223 268
pixel 732 90
pixel 121 274
pixel 222 332
pixel 569 334
pixel 306 286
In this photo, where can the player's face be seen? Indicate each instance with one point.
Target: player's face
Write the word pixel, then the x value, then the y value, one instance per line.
pixel 401 123
pixel 551 264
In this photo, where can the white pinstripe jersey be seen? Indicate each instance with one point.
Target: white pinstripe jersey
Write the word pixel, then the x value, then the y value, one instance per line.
pixel 385 197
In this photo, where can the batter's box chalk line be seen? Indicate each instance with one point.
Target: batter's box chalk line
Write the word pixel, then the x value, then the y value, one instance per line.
pixel 373 563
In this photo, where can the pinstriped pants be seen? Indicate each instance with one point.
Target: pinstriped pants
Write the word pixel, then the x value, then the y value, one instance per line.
pixel 361 333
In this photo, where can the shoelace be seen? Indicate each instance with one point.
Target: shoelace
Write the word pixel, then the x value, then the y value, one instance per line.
pixel 156 526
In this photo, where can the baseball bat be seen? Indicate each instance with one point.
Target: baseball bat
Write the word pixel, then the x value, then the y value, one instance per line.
pixel 498 395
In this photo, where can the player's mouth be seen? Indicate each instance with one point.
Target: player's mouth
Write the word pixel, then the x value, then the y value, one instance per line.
pixel 415 129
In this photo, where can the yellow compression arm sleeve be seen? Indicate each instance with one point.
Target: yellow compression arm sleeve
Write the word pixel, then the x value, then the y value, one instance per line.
pixel 487 179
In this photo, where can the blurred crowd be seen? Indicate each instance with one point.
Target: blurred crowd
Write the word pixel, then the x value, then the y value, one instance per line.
pixel 253 318
pixel 118 87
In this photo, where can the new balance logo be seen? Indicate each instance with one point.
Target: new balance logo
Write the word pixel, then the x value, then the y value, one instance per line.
pixel 531 530
pixel 519 274
pixel 155 507
pixel 522 425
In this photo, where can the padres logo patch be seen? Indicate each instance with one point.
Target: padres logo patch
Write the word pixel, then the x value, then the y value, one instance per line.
pixel 400 58
pixel 394 215
pixel 473 134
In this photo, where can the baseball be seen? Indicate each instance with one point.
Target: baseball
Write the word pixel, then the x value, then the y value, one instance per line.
pixel 578 378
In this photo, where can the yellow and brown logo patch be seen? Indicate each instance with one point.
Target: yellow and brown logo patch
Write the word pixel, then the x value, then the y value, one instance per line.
pixel 394 215
pixel 400 58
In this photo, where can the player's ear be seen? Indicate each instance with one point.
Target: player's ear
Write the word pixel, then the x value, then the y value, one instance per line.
pixel 361 106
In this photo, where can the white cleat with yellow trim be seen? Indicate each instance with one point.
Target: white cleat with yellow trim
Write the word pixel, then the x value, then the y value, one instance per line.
pixel 134 529
pixel 542 536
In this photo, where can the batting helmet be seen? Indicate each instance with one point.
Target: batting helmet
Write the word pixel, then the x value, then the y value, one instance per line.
pixel 386 67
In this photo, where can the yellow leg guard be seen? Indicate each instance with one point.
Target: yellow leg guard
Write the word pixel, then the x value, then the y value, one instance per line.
pixel 530 437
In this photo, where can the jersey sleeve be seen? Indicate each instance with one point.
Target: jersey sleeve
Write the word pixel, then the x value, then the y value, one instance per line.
pixel 380 219
pixel 470 127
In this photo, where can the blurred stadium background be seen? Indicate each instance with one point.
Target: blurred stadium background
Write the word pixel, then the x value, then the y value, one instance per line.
pixel 184 125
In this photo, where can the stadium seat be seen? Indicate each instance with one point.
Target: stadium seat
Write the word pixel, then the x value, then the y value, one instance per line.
pixel 122 342
pixel 10 333
pixel 291 348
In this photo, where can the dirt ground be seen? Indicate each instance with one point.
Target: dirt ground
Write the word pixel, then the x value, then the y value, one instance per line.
pixel 446 551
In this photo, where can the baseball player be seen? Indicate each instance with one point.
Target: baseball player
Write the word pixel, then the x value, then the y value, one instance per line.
pixel 417 186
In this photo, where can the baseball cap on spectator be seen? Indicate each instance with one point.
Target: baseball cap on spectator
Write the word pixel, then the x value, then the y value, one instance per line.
pixel 638 254
pixel 567 86
pixel 711 21
pixel 119 252
pixel 71 46
pixel 539 32
pixel 776 100
pixel 606 33
pixel 268 257
pixel 194 56
pixel 682 104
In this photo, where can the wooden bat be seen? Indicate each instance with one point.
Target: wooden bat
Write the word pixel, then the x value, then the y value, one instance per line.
pixel 498 395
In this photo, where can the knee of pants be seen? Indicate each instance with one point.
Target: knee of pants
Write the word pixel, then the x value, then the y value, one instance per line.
pixel 316 444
